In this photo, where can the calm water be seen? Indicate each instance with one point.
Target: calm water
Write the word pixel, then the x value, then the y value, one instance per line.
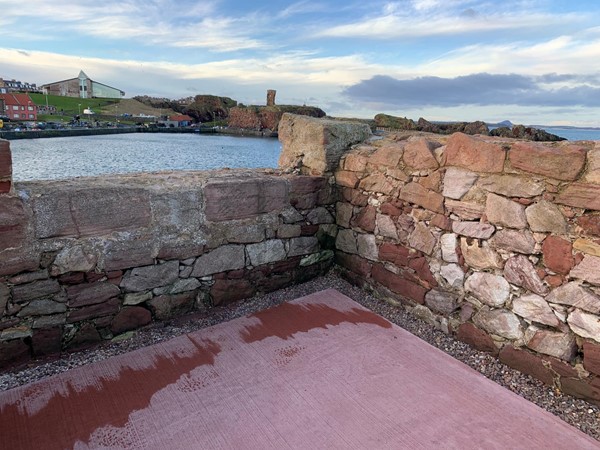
pixel 54 158
pixel 575 134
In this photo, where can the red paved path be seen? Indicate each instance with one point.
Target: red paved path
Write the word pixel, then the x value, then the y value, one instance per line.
pixel 320 372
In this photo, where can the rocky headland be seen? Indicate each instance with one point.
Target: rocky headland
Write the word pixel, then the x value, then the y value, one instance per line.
pixel 471 128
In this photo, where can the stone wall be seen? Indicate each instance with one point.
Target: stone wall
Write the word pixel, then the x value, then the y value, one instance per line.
pixel 86 259
pixel 494 240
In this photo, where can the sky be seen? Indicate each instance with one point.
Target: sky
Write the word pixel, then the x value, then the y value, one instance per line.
pixel 527 61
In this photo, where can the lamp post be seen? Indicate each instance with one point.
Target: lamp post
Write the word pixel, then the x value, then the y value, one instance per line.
pixel 79 108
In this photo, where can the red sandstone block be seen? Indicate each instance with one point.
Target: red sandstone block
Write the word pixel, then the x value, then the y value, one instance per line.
pixel 91 293
pixel 442 222
pixel 90 211
pixel 5 186
pixel 13 222
pixel 306 184
pixel 354 263
pixel 390 210
pixel 590 224
pixel 561 163
pixel 527 363
pixel 474 154
pixel 580 195
pixel 394 253
pixel 72 278
pixel 16 261
pixel 558 254
pixel 130 318
pixel 274 282
pixel 365 219
pixel 419 195
pixel 588 390
pixel 591 357
pixel 92 312
pixel 5 160
pixel 346 179
pixel 181 251
pixel 477 338
pixel 244 198
pixel 398 284
pixel 422 270
pixel 353 196
pixel 224 292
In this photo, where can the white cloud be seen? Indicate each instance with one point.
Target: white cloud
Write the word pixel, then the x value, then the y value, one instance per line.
pixel 558 55
pixel 303 71
pixel 393 26
pixel 166 22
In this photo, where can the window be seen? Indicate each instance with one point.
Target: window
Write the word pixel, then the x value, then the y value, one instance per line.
pixel 16 115
pixel 30 108
pixel 15 108
pixel 24 116
pixel 31 116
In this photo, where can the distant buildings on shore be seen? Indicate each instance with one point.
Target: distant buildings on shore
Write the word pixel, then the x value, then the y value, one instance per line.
pixel 82 87
pixel 8 86
pixel 17 106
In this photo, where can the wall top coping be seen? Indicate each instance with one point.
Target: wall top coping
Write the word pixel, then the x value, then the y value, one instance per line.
pixel 168 180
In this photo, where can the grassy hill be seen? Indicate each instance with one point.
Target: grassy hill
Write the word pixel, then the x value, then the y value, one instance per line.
pixel 67 107
pixel 71 106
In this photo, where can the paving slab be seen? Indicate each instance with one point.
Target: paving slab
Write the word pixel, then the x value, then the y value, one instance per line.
pixel 314 373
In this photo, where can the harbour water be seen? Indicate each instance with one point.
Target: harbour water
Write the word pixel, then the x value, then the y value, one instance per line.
pixel 57 158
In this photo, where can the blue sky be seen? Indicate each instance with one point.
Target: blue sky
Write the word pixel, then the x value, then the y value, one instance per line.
pixel 529 61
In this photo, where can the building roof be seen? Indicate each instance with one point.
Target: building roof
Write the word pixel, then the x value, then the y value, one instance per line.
pixel 16 99
pixel 181 118
pixel 83 76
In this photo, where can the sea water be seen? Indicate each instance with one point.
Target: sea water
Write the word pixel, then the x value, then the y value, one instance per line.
pixel 67 157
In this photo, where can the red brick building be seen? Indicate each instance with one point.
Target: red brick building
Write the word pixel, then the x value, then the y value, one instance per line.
pixel 19 107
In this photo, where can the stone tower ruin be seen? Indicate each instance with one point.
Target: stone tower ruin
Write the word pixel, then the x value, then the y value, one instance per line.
pixel 271 97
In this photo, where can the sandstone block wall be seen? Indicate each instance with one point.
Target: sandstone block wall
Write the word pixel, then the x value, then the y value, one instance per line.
pixel 495 241
pixel 86 259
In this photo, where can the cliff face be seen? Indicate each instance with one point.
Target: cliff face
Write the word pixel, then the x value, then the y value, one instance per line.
pixel 204 108
pixel 267 117
pixel 207 108
pixel 254 118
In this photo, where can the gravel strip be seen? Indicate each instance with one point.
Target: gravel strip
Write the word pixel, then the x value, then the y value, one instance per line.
pixel 576 412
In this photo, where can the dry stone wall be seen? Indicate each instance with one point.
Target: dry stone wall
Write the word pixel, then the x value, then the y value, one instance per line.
pixel 496 241
pixel 84 260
